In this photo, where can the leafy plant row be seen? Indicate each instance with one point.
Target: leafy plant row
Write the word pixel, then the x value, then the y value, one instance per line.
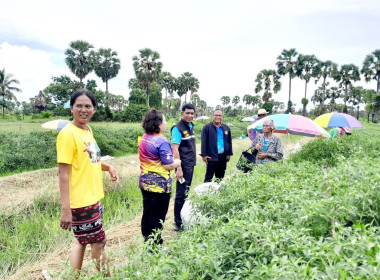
pixel 307 218
pixel 32 150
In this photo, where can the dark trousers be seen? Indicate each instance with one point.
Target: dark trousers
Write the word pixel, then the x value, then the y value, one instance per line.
pixel 181 193
pixel 217 168
pixel 155 207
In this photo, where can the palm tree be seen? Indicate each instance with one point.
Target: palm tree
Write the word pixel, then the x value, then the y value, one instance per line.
pixel 347 74
pixel 107 66
pixel 147 68
pixel 235 100
pixel 319 96
pixel 307 67
pixel 356 97
pixel 193 86
pixel 166 81
pixel 247 99
pixel 7 88
pixel 371 71
pixel 327 69
pixel 225 100
pixel 181 87
pixel 333 94
pixel 271 81
pixel 286 64
pixel 80 59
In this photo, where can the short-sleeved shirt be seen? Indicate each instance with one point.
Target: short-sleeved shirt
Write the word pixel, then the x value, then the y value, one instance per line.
pixel 176 135
pixel 219 132
pixel 155 152
pixel 77 147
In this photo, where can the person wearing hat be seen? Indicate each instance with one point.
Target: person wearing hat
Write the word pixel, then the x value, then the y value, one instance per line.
pixel 262 113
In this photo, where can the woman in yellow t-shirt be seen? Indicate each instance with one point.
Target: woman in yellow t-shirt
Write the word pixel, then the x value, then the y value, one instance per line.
pixel 81 182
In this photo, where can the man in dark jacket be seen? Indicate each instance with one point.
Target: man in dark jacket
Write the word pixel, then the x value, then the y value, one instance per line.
pixel 183 141
pixel 216 146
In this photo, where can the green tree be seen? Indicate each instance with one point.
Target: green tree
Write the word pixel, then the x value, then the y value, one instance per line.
pixel 61 89
pixel 372 101
pixel 137 96
pixel 107 66
pixel 268 80
pixel 307 67
pixel 371 71
pixel 147 69
pixel 80 58
pixel 225 100
pixel 327 69
pixel 7 88
pixel 347 74
pixel 235 100
pixel 134 83
pixel 155 90
pixel 333 94
pixel 167 81
pixel 356 97
pixel 247 99
pixel 286 64
pixel 319 96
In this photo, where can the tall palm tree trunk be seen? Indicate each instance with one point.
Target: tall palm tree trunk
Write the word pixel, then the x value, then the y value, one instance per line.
pixel 345 109
pixel 3 106
pixel 304 105
pixel 147 96
pixel 290 93
pixel 107 90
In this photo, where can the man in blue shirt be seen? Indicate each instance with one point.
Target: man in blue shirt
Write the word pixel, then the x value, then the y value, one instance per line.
pixel 216 146
pixel 183 142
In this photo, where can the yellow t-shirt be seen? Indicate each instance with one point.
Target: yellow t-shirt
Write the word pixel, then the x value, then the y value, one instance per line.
pixel 78 148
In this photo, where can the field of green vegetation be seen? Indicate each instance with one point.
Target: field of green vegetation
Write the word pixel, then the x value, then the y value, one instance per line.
pixel 313 216
pixel 27 146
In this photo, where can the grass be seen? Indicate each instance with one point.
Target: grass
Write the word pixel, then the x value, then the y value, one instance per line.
pixel 33 232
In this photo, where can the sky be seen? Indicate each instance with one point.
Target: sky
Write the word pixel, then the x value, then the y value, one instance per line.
pixel 224 44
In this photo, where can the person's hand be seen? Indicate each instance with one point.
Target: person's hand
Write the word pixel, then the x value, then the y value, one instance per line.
pixel 228 158
pixel 257 147
pixel 179 174
pixel 114 177
pixel 205 159
pixel 262 155
pixel 66 219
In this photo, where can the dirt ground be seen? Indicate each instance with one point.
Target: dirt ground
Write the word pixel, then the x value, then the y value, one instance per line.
pixel 19 191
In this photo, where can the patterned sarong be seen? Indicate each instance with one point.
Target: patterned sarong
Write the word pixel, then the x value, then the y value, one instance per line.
pixel 87 224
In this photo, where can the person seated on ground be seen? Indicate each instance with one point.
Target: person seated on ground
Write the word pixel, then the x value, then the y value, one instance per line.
pixel 262 113
pixel 338 132
pixel 268 146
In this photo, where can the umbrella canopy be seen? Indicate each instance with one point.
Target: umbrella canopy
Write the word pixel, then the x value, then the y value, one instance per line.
pixel 247 119
pixel 338 120
pixel 55 125
pixel 67 105
pixel 292 124
pixel 201 118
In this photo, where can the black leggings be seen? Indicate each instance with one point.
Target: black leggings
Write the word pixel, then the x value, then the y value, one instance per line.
pixel 155 208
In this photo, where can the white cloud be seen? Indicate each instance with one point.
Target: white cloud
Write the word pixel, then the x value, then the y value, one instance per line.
pixel 223 43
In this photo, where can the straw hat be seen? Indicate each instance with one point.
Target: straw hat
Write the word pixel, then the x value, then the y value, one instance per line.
pixel 262 112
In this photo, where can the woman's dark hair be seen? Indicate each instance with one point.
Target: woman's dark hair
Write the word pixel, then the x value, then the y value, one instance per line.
pixel 82 92
pixel 152 121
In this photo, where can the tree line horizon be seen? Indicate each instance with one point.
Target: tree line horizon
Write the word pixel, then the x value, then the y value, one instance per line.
pixel 146 87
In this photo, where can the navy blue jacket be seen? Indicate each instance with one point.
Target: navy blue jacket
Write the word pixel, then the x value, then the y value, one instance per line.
pixel 209 143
